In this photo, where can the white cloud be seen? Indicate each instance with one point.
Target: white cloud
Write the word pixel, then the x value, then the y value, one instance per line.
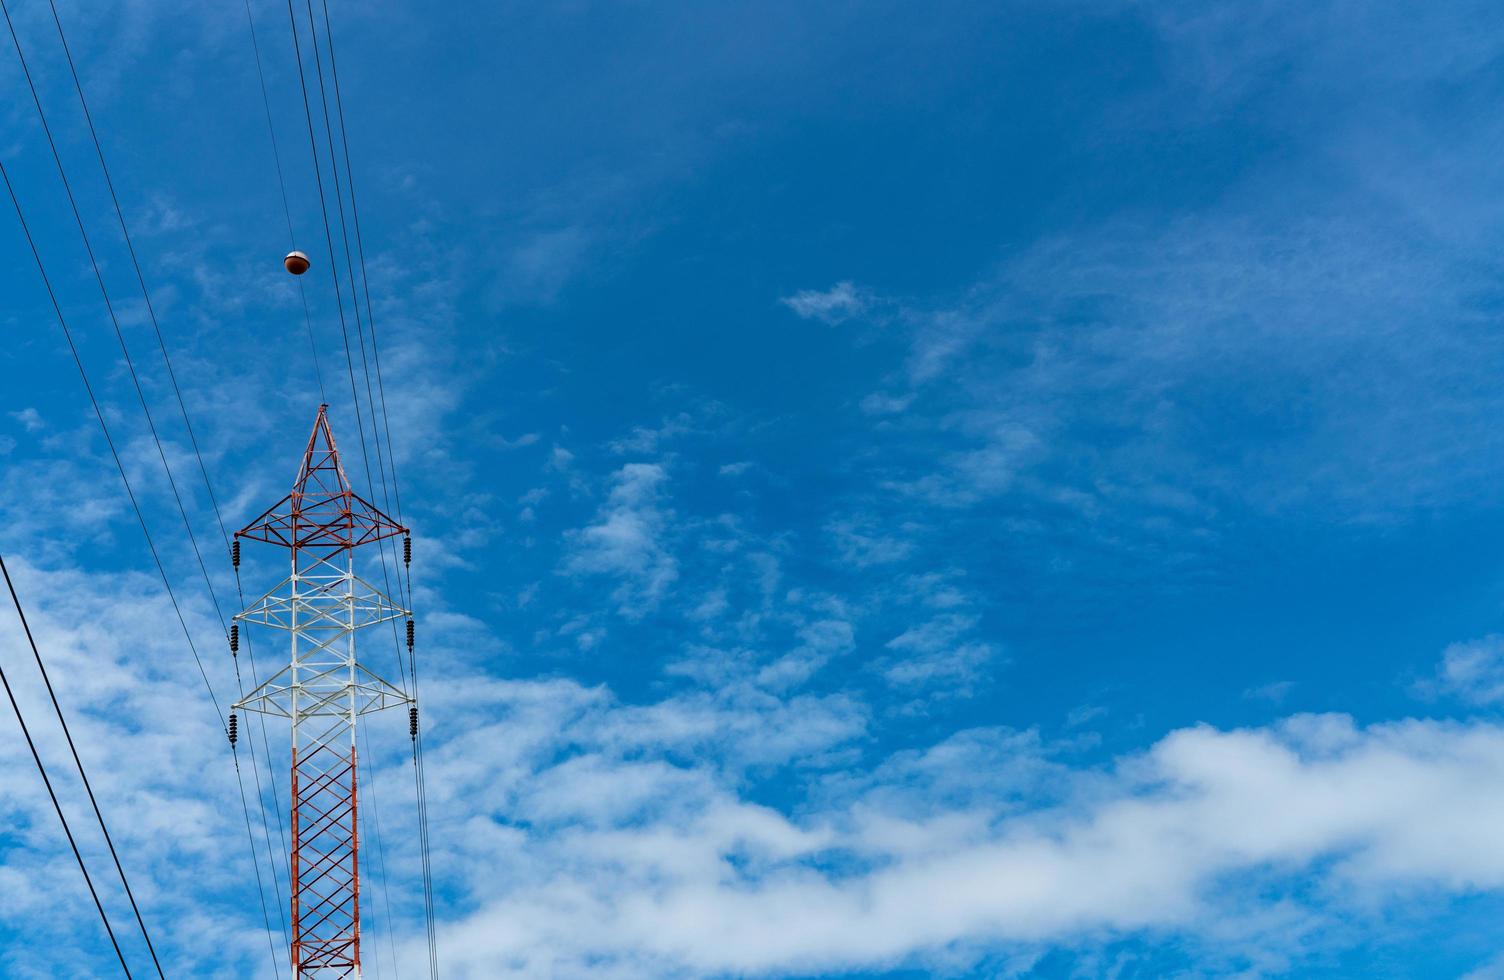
pixel 821 641
pixel 937 652
pixel 834 305
pixel 30 419
pixel 1474 670
pixel 861 543
pixel 879 403
pixel 1274 692
pixel 643 440
pixel 626 541
pixel 942 855
pixel 534 271
pixel 1084 714
pixel 577 835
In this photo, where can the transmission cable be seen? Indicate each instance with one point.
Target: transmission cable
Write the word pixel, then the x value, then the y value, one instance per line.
pixel 334 268
pixel 339 290
pixel 104 427
pixel 339 298
pixel 292 239
pixel 418 771
pixel 419 777
pixel 109 441
pixel 360 249
pixel 56 806
pixel 177 391
pixel 355 302
pixel 83 373
pixel 72 748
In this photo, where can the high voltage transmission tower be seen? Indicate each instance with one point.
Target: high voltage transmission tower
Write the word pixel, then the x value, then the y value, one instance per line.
pixel 323 690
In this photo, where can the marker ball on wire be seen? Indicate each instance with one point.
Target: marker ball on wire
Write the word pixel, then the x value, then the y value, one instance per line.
pixel 296 262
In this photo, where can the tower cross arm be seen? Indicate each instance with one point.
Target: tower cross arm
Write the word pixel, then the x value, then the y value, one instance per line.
pixel 342 604
pixel 328 692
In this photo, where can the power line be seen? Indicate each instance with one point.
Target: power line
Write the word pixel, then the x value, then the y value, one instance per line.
pixel 140 393
pixel 421 784
pixel 72 748
pixel 37 758
pixel 110 309
pixel 334 272
pixel 172 376
pixel 292 239
pixel 98 414
pixel 360 249
pixel 260 888
pixel 418 768
pixel 391 937
pixel 109 440
pixel 354 295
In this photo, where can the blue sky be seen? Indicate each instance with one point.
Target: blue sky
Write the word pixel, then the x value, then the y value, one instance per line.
pixel 899 490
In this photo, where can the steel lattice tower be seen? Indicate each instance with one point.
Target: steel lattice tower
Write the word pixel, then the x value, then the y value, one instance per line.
pixel 322 691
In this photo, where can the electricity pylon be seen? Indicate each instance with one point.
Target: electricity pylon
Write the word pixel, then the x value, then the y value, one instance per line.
pixel 322 691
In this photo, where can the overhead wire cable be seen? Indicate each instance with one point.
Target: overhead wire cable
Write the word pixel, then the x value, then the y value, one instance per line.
pixel 349 266
pixel 418 769
pixel 104 427
pixel 260 888
pixel 36 757
pixel 114 319
pixel 349 360
pixel 391 936
pixel 182 405
pixel 421 784
pixel 271 776
pixel 360 249
pixel 371 321
pixel 292 239
pixel 88 387
pixel 261 803
pixel 98 414
pixel 375 432
pixel 79 763
pixel 355 305
pixel 355 301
